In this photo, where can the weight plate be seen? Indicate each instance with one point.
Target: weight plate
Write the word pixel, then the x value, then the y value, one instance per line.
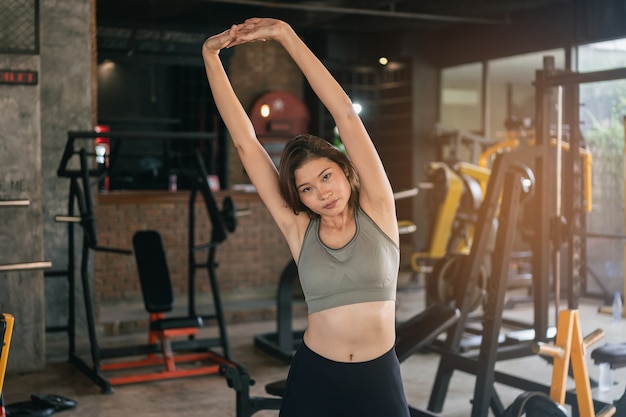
pixel 442 283
pixel 29 409
pixel 57 401
pixel 535 404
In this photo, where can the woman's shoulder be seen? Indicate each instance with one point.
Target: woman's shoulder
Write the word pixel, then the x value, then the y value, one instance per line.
pixel 296 233
pixel 384 219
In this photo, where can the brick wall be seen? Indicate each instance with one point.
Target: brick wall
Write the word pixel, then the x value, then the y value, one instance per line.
pixel 250 260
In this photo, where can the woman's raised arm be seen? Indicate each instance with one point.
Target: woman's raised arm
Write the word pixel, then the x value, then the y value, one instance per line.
pixel 376 195
pixel 254 158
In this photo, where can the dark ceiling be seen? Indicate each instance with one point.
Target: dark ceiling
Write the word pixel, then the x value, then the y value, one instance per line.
pixel 355 16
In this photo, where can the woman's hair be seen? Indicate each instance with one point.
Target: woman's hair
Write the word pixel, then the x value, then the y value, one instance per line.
pixel 299 151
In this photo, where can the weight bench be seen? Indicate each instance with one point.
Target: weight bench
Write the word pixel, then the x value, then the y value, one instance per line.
pixel 411 336
pixel 613 354
pixel 158 297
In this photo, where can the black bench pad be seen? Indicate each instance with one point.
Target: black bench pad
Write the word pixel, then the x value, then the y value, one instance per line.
pixel 423 328
pixel 613 354
pixel 170 323
pixel 276 388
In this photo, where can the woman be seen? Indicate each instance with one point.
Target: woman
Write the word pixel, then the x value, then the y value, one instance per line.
pixel 342 232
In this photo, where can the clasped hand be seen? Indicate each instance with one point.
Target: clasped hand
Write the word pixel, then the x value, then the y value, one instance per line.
pixel 252 30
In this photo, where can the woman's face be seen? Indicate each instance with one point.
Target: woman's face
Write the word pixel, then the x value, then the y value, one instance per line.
pixel 322 186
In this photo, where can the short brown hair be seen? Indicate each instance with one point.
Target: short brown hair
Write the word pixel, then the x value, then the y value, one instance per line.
pixel 302 149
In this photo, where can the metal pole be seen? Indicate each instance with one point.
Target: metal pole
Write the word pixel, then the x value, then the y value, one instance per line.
pixel 368 12
pixel 558 178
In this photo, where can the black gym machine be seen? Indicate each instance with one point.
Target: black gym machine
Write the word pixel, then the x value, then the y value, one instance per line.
pixel 75 165
pixel 549 234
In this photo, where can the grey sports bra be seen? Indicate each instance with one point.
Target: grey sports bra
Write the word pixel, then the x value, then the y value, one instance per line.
pixel 365 269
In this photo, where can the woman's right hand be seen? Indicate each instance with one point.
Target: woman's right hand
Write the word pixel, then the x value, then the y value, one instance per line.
pixel 216 43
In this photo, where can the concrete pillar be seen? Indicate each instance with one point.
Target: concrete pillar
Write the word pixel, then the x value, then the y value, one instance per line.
pixel 67 103
pixel 34 120
pixel 21 227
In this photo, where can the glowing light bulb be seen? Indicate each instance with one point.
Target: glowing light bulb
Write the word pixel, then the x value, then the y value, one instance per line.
pixel 265 110
pixel 383 60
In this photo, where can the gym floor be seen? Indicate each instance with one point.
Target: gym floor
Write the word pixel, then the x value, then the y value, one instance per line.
pixel 207 396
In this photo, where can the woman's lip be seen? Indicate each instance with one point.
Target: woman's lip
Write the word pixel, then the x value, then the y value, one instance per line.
pixel 331 204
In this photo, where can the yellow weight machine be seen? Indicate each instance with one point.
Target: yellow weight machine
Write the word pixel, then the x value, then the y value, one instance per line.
pixel 458 194
pixel 6 332
pixel 458 190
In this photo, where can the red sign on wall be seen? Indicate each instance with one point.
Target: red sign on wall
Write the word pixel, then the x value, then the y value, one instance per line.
pixel 18 77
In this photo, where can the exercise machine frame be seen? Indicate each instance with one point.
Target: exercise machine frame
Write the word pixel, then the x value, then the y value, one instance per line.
pixel 285 341
pixel 547 231
pixel 80 195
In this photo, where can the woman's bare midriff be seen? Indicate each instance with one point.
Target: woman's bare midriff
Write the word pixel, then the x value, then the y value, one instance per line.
pixel 352 333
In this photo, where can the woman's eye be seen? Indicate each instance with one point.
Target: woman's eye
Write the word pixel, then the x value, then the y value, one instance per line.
pixel 326 176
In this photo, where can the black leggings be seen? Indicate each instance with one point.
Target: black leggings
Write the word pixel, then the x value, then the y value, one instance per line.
pixel 320 387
